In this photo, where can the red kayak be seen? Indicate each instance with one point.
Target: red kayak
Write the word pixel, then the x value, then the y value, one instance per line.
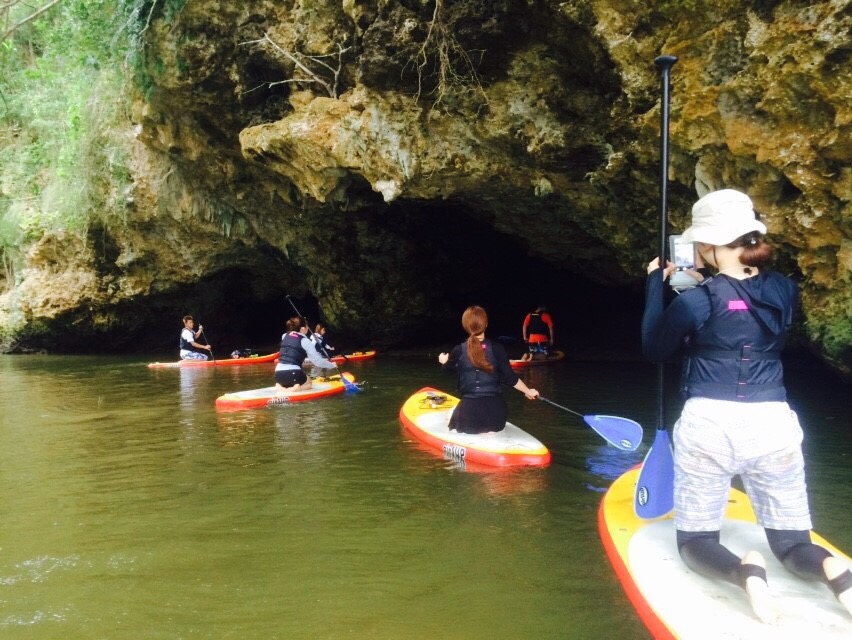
pixel 523 364
pixel 228 362
pixel 256 398
pixel 354 357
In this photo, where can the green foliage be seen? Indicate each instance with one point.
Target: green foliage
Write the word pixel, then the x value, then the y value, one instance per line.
pixel 139 16
pixel 831 326
pixel 63 161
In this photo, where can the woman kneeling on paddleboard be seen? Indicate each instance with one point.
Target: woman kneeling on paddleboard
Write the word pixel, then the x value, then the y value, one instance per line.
pixel 482 366
pixel 295 348
pixel 736 420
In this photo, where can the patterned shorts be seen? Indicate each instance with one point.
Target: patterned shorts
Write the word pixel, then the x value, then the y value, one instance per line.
pixel 193 355
pixel 715 440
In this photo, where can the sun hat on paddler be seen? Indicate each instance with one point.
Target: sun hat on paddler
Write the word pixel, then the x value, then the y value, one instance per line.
pixel 721 217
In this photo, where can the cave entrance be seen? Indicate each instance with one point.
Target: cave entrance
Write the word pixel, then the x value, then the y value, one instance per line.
pixel 407 271
pixel 466 261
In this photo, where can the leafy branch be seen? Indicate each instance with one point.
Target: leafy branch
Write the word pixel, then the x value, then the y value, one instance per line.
pixel 301 61
pixel 5 8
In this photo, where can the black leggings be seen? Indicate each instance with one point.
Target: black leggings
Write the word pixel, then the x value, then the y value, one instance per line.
pixel 703 553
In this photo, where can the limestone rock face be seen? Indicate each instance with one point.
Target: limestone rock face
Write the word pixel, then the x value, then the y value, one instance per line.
pixel 280 141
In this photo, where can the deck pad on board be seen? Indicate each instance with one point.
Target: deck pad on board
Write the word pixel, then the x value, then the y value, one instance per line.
pixel 675 602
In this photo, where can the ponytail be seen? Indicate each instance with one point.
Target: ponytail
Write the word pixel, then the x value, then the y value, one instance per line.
pixel 474 321
pixel 477 354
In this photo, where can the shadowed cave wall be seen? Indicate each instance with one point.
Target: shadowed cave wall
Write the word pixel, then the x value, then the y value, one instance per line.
pixel 532 177
pixel 452 260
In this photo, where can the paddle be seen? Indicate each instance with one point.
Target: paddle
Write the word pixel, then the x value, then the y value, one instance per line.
pixel 207 342
pixel 621 433
pixel 324 347
pixel 655 487
pixel 350 386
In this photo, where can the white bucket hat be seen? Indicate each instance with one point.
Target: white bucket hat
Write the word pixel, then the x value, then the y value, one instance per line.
pixel 721 217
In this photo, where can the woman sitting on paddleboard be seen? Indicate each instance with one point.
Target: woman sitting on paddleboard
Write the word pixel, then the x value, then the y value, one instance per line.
pixel 319 336
pixel 736 420
pixel 482 366
pixel 295 348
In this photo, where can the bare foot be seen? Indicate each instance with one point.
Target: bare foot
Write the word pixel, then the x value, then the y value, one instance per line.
pixel 282 391
pixel 834 568
pixel 758 591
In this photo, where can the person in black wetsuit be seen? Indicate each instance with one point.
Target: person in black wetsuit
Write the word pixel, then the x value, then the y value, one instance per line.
pixel 482 366
pixel 736 420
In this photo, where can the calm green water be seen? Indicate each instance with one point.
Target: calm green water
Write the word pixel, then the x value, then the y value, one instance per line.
pixel 130 509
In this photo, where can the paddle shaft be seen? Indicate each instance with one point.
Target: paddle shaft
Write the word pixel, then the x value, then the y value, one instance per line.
pixel 621 433
pixel 654 496
pixel 310 331
pixel 349 385
pixel 559 406
pixel 207 342
pixel 664 65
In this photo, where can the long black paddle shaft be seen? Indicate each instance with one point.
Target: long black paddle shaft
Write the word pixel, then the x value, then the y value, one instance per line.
pixel 308 325
pixel 207 342
pixel 664 64
pixel 561 407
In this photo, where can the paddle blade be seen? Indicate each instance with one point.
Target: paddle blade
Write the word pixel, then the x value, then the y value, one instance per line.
pixel 622 433
pixel 348 381
pixel 655 488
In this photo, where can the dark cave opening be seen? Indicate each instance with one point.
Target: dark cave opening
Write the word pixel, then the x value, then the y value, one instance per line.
pixel 457 259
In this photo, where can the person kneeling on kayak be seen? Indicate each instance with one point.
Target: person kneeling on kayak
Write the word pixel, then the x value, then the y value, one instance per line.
pixel 736 419
pixel 295 348
pixel 482 366
pixel 189 348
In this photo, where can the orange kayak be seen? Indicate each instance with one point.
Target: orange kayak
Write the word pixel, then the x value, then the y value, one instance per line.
pixel 354 357
pixel 256 398
pixel 523 364
pixel 426 415
pixel 227 362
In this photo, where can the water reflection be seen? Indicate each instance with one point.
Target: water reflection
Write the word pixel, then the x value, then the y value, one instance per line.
pixel 494 481
pixel 128 502
pixel 608 463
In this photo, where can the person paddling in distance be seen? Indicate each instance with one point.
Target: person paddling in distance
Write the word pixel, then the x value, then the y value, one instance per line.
pixel 296 346
pixel 190 348
pixel 538 333
pixel 736 420
pixel 319 337
pixel 482 366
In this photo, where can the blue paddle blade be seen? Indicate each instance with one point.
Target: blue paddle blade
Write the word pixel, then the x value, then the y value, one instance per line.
pixel 655 488
pixel 622 433
pixel 347 383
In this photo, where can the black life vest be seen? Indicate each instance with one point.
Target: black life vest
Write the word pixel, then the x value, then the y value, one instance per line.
pixel 537 325
pixel 291 349
pixel 475 382
pixel 186 345
pixel 733 357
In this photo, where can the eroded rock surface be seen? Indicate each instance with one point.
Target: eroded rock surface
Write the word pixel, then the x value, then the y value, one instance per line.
pixel 307 146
